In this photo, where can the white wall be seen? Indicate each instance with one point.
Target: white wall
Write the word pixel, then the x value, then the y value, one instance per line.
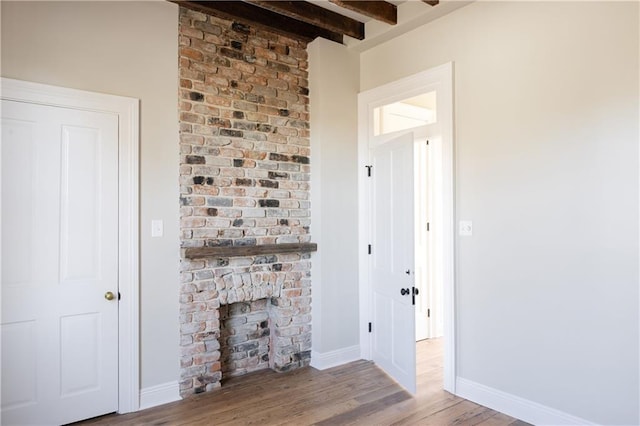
pixel 333 83
pixel 128 49
pixel 546 115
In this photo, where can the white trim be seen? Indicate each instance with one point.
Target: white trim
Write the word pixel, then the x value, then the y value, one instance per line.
pixel 322 361
pixel 440 78
pixel 128 216
pixel 363 228
pixel 515 406
pixel 159 394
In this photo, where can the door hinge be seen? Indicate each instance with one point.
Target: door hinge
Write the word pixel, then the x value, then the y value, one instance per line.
pixel 369 249
pixel 369 170
pixel 428 313
pixel 427 142
pixel 370 327
pixel 427 226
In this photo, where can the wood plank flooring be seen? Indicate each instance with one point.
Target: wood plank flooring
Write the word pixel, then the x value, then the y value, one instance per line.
pixel 357 393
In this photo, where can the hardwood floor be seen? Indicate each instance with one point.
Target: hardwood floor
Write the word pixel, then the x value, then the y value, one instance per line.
pixel 357 393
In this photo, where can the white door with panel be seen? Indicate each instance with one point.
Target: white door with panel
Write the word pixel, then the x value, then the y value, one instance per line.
pixel 392 259
pixel 59 263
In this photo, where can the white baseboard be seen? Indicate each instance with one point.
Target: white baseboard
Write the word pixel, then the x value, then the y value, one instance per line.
pixel 514 406
pixel 322 361
pixel 159 394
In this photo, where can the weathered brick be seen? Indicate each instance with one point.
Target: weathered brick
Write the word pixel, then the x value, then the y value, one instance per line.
pixel 244 180
pixel 191 118
pixel 244 67
pixel 278 157
pixel 203 46
pixel 208 27
pixel 231 133
pixel 269 183
pixel 218 100
pixel 278 175
pixel 269 203
pixel 192 222
pixel 219 202
pixel 190 53
pixel 244 202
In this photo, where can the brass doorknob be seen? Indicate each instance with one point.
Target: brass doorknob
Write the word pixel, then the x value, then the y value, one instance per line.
pixel 109 295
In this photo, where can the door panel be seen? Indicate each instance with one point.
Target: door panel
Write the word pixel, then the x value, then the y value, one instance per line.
pixel 59 257
pixel 393 259
pixel 383 327
pixel 19 348
pixel 403 360
pixel 80 199
pixel 79 365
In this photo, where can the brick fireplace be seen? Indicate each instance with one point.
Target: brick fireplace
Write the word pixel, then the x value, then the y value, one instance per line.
pixel 244 183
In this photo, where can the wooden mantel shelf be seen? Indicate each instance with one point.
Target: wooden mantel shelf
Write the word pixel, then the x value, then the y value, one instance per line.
pixel 238 251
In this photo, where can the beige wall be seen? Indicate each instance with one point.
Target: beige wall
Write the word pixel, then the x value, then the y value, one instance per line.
pixel 128 49
pixel 546 112
pixel 333 84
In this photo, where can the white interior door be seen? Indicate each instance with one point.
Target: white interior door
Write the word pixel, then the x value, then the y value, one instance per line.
pixel 59 258
pixel 392 262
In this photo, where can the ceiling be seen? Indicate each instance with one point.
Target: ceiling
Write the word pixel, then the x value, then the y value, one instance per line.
pixel 307 20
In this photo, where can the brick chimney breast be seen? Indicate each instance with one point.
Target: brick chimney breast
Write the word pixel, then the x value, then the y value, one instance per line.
pixel 244 181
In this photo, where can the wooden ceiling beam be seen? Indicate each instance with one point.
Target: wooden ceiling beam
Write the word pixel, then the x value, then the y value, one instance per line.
pixel 431 2
pixel 262 18
pixel 378 10
pixel 314 15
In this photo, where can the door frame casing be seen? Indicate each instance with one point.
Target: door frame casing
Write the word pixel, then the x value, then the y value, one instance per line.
pixel 127 111
pixel 440 78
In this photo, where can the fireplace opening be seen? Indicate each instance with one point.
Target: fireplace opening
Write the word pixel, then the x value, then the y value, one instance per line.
pixel 245 337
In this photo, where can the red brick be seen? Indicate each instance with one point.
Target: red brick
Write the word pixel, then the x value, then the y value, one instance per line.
pixel 190 53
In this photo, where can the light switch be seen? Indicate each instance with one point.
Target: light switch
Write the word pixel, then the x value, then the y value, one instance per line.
pixel 466 228
pixel 157 228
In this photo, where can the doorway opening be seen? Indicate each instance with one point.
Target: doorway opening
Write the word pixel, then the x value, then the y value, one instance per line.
pixel 417 110
pixel 419 114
